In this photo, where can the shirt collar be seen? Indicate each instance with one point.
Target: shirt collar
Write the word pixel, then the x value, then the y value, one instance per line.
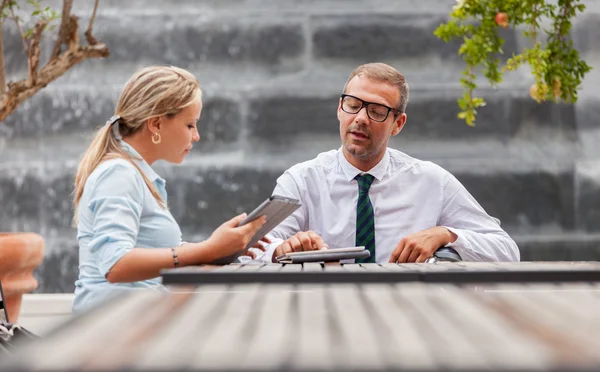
pixel 145 167
pixel 351 171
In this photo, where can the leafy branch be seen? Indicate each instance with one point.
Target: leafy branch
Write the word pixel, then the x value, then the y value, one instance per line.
pixel 555 64
pixel 67 51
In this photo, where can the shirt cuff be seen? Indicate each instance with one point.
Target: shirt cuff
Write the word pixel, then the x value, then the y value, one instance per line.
pixel 460 245
pixel 267 255
pixel 111 256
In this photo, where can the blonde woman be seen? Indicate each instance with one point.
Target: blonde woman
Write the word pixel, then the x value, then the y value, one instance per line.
pixel 125 230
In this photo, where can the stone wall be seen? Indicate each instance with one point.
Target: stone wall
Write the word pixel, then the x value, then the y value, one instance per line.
pixel 272 72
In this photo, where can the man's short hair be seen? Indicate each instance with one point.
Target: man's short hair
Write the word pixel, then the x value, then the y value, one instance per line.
pixel 384 73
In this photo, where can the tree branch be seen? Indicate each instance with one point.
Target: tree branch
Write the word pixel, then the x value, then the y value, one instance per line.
pixel 58 64
pixel 56 67
pixel 64 26
pixel 88 34
pixel 33 57
pixel 2 63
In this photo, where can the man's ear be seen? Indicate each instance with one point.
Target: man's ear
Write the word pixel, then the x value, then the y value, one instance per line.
pixel 399 124
pixel 153 125
pixel 339 109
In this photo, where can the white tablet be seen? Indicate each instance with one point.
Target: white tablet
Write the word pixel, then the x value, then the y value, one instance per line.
pixel 276 208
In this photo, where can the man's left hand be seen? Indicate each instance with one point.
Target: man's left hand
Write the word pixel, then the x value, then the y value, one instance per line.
pixel 419 246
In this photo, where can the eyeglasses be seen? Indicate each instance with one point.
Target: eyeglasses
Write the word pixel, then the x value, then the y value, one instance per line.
pixel 375 111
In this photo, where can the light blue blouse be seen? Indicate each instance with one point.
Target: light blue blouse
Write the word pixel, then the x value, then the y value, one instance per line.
pixel 117 213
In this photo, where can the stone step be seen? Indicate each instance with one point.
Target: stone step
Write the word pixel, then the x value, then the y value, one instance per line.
pixel 58 272
pixel 275 37
pixel 278 37
pixel 276 112
pixel 204 193
pixel 545 150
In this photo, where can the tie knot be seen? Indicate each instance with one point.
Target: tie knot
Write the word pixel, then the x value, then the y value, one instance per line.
pixel 364 182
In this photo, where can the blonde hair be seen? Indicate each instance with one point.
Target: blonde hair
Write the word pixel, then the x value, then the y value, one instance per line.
pixel 151 92
pixel 386 74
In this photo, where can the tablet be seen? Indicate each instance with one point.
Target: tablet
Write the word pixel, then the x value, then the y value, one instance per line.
pixel 324 255
pixel 276 208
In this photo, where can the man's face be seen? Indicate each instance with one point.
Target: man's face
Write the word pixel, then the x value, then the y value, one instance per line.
pixel 364 140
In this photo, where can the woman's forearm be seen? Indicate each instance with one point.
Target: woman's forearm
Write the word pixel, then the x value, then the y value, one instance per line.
pixel 146 263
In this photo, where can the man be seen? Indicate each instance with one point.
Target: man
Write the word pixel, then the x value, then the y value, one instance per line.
pixel 366 194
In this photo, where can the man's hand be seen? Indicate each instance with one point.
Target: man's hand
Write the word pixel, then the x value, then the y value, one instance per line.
pixel 420 246
pixel 302 241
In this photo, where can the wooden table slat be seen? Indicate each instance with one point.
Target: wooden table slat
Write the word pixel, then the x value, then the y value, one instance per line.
pixel 101 326
pixel 543 323
pixel 291 268
pixel 312 267
pixel 186 333
pixel 373 267
pixel 488 331
pixel 269 347
pixel 354 268
pixel 355 343
pixel 249 268
pixel 403 345
pixel 313 349
pixel 446 339
pixel 121 350
pixel 230 330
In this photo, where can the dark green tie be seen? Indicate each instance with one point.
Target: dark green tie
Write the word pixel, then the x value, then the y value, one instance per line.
pixel 365 218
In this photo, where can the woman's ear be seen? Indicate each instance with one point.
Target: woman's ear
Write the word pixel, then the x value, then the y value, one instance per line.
pixel 153 125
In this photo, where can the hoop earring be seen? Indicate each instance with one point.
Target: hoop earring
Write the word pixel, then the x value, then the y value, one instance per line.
pixel 156 138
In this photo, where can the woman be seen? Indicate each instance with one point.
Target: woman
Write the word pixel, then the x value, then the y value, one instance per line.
pixel 125 230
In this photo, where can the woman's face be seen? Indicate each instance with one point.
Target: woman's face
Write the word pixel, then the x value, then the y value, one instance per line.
pixel 178 133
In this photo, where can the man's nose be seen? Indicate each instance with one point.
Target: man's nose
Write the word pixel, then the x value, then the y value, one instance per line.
pixel 362 115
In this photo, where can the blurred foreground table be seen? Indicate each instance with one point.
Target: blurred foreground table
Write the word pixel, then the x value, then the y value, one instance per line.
pixel 333 326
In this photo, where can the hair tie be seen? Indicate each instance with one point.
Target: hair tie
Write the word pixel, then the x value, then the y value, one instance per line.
pixel 113 120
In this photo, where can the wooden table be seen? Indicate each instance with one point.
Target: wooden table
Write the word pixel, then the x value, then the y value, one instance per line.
pixel 440 272
pixel 332 326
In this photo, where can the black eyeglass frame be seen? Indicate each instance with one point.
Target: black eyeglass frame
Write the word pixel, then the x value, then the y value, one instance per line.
pixel 366 105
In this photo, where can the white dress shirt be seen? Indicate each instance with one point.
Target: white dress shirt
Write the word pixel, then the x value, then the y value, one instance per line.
pixel 408 195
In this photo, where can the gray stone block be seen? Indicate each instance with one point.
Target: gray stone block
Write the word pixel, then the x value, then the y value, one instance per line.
pixel 369 37
pixel 559 248
pixel 587 181
pixel 430 116
pixel 60 268
pixel 587 114
pixel 503 117
pixel 201 198
pixel 20 201
pixel 526 116
pixel 525 200
pixel 57 200
pixel 220 123
pixel 208 197
pixel 189 40
pixel 35 199
pixel 279 119
pixel 63 111
pixel 586 33
pixel 436 117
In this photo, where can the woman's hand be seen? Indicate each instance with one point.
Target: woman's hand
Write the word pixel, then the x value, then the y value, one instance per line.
pixel 228 238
